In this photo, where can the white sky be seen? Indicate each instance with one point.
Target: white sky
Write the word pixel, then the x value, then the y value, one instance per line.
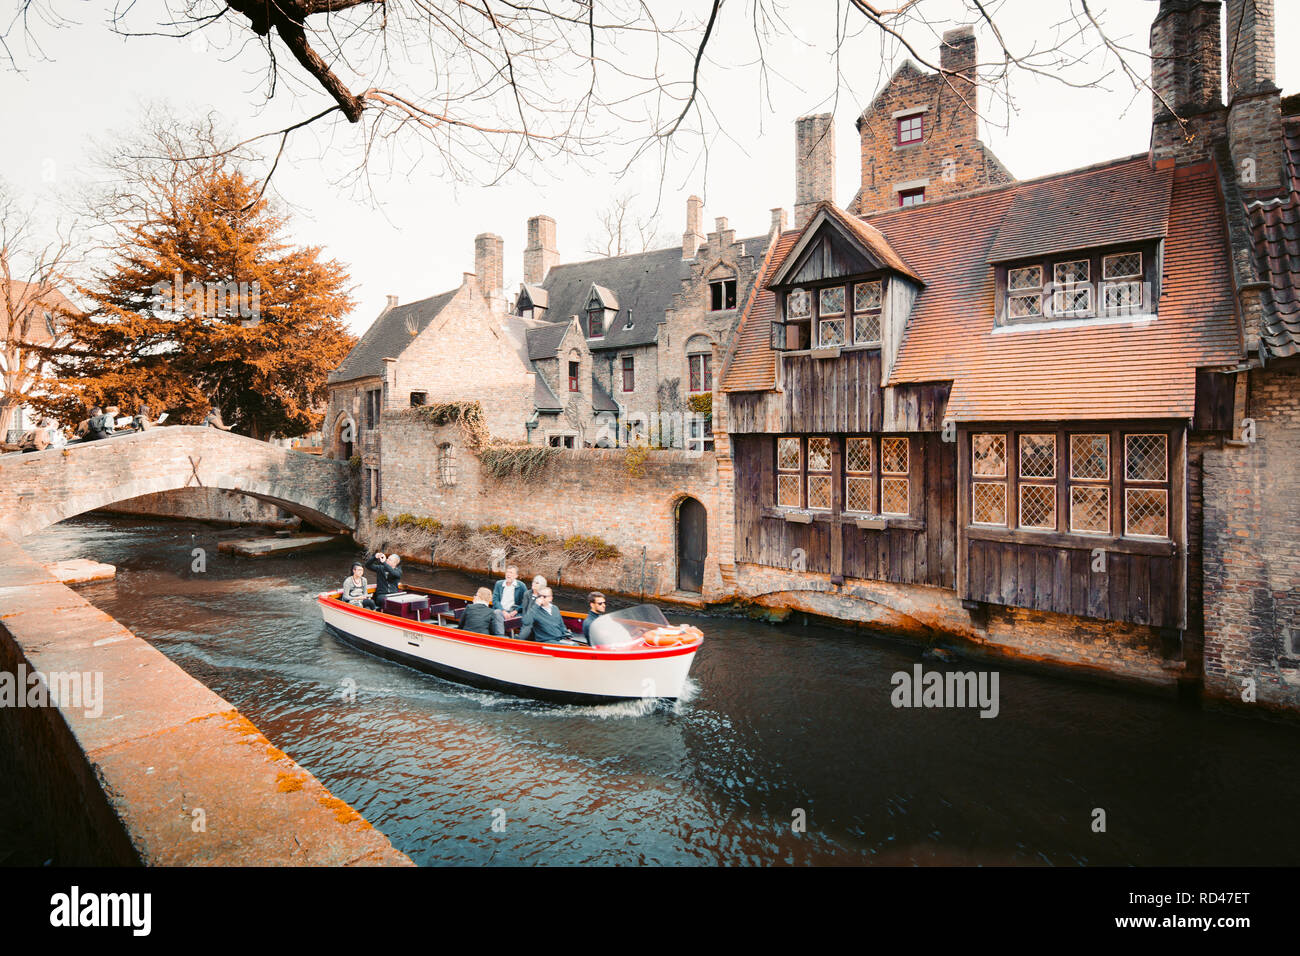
pixel 411 234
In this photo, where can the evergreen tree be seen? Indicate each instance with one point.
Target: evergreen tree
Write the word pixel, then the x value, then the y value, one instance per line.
pixel 205 305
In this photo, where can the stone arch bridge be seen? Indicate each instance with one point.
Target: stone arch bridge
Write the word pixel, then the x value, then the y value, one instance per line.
pixel 39 489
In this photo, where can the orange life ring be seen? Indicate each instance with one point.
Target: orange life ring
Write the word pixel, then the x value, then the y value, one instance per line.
pixel 669 636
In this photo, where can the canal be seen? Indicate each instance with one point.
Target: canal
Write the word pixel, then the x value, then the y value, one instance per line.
pixel 783 724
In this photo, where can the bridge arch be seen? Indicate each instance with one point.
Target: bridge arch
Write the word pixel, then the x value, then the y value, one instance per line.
pixel 40 489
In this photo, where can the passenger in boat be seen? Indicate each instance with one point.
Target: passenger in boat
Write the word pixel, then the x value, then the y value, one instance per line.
pixel 479 616
pixel 530 598
pixel 507 600
pixel 543 621
pixel 354 589
pixel 595 608
pixel 388 576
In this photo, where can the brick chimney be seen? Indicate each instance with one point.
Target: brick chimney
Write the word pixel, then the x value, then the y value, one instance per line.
pixel 1186 57
pixel 541 252
pixel 958 55
pixel 778 220
pixel 814 165
pixel 489 267
pixel 392 303
pixel 693 237
pixel 1254 100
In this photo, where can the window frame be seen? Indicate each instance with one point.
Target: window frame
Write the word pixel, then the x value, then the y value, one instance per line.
pixel 596 320
pixel 627 383
pixel 724 291
pixel 917 194
pixel 912 124
pixel 575 373
pixel 706 373
pixel 1067 479
pixel 840 477
pixel 807 329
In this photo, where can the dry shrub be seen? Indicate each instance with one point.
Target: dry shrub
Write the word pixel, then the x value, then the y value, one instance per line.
pixel 464 546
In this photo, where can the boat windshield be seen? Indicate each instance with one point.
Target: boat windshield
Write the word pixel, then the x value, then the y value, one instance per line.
pixel 626 626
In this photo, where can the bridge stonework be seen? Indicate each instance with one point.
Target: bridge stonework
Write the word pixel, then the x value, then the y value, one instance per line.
pixel 39 489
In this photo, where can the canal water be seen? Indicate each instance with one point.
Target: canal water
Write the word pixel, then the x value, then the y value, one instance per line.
pixel 786 751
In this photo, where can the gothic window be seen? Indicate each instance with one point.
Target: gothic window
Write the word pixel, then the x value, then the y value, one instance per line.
pixel 573 376
pixel 699 364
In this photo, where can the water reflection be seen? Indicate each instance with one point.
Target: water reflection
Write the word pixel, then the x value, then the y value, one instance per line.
pixel 782 722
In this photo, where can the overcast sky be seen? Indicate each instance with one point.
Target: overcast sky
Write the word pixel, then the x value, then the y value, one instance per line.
pixel 409 231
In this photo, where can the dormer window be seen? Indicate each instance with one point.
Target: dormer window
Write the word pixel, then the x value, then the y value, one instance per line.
pixel 596 324
pixel 1079 286
pixel 842 315
pixel 722 295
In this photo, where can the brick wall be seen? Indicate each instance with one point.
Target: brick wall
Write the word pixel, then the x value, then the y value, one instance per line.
pixel 586 491
pixel 1252 549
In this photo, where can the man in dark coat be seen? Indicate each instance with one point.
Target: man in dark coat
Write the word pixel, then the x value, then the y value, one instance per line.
pixel 507 600
pixel 543 622
pixel 388 576
pixel 478 616
pixel 595 608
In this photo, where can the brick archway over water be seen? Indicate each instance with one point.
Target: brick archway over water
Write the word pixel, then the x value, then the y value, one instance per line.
pixel 40 489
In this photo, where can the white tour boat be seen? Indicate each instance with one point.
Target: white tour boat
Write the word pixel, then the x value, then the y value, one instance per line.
pixel 634 653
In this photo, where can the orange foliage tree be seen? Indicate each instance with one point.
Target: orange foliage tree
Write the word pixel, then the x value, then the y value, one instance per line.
pixel 203 304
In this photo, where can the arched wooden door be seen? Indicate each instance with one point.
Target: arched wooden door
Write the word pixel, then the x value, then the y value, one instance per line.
pixel 692 544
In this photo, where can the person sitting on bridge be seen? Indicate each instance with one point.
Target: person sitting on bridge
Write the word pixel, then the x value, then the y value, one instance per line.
pixel 543 621
pixel 213 420
pixel 388 576
pixel 101 425
pixel 478 617
pixel 595 608
pixel 355 588
pixel 83 426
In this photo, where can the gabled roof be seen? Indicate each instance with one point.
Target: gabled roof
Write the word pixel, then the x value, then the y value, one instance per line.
pixel 1126 201
pixel 545 339
pixel 602 295
pixel 643 283
pixel 534 294
pixel 1275 230
pixel 1086 371
pixel 388 336
pixel 48 299
pixel 866 238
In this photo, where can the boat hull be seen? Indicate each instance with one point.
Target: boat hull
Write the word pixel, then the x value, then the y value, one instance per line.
pixel 553 672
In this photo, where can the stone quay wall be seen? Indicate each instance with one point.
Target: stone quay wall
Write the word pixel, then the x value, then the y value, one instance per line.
pixel 160 770
pixel 588 491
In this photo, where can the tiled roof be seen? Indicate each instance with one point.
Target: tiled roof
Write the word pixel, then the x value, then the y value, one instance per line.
pixel 1125 201
pixel 388 336
pixel 643 285
pixel 1127 370
pixel 600 399
pixel 1275 226
pixel 545 339
pixel 46 298
pixel 543 397
pixel 752 365
pixel 1086 371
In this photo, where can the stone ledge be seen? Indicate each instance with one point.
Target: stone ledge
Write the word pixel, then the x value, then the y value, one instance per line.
pixel 161 746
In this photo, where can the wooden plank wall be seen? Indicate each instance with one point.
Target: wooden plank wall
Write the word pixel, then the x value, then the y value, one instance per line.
pixel 925 555
pixel 1140 588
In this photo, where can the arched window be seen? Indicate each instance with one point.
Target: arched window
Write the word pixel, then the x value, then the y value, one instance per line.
pixel 699 364
pixel 446 464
